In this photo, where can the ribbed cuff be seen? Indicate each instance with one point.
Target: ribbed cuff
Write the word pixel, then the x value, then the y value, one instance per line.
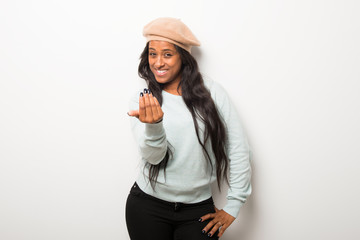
pixel 233 207
pixel 154 129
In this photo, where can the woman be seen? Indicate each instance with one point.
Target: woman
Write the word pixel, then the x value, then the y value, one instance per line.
pixel 189 136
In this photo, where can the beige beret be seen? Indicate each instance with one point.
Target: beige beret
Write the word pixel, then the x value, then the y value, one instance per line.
pixel 171 30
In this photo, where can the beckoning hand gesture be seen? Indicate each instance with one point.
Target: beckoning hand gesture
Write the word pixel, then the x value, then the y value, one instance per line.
pixel 149 108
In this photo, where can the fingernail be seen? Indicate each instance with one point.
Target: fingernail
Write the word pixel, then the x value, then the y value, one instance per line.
pixel 149 91
pixel 209 235
pixel 141 94
pixel 145 90
pixel 203 231
pixel 200 220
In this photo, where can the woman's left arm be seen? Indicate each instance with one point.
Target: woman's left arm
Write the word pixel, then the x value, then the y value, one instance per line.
pixel 238 151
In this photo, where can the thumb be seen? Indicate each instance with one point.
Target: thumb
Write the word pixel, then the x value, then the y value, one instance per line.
pixel 133 113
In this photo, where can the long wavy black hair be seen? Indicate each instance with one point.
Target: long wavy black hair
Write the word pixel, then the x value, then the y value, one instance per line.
pixel 201 106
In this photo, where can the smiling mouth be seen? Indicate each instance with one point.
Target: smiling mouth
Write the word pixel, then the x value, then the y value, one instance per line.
pixel 161 72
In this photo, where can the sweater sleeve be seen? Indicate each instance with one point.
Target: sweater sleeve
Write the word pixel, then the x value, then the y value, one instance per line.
pixel 151 137
pixel 238 151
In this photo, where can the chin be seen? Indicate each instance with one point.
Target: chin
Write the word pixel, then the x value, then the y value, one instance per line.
pixel 162 81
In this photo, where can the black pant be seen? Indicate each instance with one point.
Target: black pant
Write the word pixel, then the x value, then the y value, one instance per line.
pixel 150 218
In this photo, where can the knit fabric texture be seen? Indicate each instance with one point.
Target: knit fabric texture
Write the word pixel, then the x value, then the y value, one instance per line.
pixel 171 30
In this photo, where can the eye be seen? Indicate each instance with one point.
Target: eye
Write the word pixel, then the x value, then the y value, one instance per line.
pixel 168 55
pixel 152 54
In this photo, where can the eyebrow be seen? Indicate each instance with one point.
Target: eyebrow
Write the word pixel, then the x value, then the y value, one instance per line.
pixel 163 50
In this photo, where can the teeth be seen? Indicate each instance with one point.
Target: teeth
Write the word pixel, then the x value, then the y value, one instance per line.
pixel 162 71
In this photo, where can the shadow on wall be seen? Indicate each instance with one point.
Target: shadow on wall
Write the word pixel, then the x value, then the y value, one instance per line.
pixel 244 224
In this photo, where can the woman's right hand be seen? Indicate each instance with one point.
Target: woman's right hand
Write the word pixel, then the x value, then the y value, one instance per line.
pixel 149 109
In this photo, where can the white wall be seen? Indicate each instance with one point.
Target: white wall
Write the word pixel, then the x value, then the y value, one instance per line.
pixel 67 69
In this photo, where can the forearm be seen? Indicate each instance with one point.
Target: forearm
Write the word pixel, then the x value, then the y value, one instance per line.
pixel 240 185
pixel 153 146
pixel 151 139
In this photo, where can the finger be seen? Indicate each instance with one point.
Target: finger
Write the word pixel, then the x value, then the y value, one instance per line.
pixel 148 110
pixel 160 112
pixel 215 227
pixel 207 216
pixel 222 230
pixel 156 102
pixel 142 111
pixel 208 229
pixel 154 108
pixel 133 113
pixel 210 216
pixel 221 220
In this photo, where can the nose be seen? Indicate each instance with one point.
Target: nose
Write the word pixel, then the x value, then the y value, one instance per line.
pixel 159 62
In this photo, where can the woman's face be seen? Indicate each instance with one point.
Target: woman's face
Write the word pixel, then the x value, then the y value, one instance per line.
pixel 165 63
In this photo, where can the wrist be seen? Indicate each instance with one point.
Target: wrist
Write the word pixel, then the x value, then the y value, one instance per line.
pixel 159 121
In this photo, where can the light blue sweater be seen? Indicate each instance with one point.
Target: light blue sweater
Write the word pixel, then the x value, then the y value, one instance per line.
pixel 188 174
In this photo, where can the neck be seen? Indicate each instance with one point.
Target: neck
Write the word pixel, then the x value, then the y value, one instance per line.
pixel 173 91
pixel 173 87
